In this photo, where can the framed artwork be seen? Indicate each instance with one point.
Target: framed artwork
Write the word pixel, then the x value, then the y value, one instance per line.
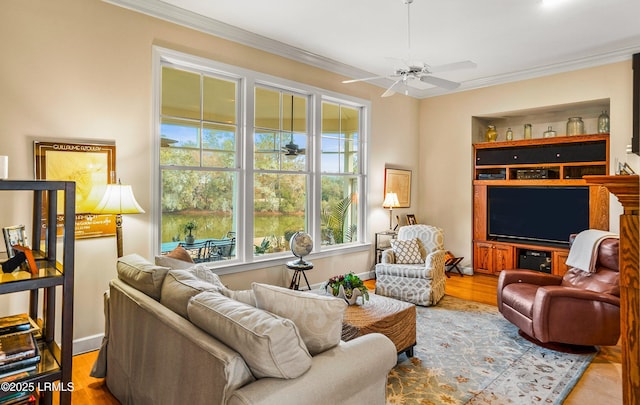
pixel 13 235
pixel 398 181
pixel 92 166
pixel 411 219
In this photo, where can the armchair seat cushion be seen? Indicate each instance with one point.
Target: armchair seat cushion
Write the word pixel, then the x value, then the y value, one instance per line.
pixel 405 270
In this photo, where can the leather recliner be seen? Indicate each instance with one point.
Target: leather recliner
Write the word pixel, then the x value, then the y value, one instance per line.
pixel 580 308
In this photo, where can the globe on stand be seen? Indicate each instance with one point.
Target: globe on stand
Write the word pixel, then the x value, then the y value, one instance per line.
pixel 301 245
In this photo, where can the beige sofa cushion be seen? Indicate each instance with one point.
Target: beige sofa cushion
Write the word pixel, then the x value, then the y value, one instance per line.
pixel 318 317
pixel 270 345
pixel 141 274
pixel 179 286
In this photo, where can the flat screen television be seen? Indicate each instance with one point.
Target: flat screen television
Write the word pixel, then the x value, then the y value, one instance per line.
pixel 538 215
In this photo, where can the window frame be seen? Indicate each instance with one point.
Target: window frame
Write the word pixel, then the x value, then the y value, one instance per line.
pixel 247 82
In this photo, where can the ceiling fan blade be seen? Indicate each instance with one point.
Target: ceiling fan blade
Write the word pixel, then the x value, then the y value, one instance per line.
pixel 467 64
pixel 364 79
pixel 390 91
pixel 437 81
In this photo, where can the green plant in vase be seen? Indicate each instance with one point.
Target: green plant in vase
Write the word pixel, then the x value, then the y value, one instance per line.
pixel 189 227
pixel 263 248
pixel 348 283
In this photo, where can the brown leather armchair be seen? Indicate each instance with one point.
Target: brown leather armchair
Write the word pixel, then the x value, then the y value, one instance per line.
pixel 580 308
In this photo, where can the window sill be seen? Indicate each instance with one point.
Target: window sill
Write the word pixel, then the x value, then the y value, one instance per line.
pixel 282 259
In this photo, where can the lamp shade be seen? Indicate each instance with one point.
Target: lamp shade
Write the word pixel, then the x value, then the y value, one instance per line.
pixel 391 200
pixel 118 199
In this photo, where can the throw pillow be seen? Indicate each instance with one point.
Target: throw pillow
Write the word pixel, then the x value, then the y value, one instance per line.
pixel 270 345
pixel 180 253
pixel 179 286
pixel 318 317
pixel 204 273
pixel 407 251
pixel 139 273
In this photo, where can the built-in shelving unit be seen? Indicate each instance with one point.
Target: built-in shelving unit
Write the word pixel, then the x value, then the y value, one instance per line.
pixel 53 375
pixel 559 161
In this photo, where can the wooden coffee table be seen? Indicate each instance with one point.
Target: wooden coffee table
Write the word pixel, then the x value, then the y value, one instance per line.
pixel 393 318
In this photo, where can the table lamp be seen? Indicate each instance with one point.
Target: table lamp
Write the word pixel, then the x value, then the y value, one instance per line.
pixel 118 199
pixel 390 201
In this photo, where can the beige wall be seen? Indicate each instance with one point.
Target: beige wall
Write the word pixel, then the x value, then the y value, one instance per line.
pixel 446 163
pixel 81 70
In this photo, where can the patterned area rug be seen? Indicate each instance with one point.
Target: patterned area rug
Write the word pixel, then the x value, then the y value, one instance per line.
pixel 467 353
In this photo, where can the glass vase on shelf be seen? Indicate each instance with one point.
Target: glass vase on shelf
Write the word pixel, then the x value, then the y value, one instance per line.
pixel 549 133
pixel 575 126
pixel 527 131
pixel 491 135
pixel 603 123
pixel 509 135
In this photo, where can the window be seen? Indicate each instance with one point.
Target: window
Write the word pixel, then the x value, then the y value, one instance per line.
pixel 340 173
pixel 251 160
pixel 280 173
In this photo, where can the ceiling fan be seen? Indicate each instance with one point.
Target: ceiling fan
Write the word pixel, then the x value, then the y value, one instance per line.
pixel 418 70
pixel 292 149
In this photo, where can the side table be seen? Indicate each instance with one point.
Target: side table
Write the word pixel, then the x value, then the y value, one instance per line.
pixel 383 242
pixel 299 267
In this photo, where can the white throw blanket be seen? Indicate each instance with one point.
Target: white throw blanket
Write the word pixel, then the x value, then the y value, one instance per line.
pixel 584 251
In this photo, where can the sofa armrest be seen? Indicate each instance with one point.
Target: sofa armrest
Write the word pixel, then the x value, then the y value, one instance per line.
pixel 434 262
pixel 546 295
pixel 352 372
pixel 524 276
pixel 560 312
pixel 527 276
pixel 388 257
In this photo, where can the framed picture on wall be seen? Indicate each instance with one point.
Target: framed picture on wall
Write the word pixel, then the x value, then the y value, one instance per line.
pixel 92 166
pixel 398 181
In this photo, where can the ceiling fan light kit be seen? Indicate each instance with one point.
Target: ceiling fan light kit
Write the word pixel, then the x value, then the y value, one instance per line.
pixel 418 70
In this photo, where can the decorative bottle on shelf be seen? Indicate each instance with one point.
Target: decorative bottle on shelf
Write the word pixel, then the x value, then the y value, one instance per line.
pixel 509 134
pixel 575 126
pixel 603 123
pixel 527 131
pixel 549 133
pixel 491 133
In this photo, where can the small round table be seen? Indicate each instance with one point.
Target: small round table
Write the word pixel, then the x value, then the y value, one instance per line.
pixel 299 267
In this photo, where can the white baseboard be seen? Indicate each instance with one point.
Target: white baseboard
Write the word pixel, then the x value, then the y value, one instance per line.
pixel 87 344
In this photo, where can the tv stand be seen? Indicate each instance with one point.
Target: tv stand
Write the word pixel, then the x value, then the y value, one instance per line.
pixel 549 162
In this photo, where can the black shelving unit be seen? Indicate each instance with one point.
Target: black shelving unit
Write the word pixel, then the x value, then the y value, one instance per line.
pixel 53 374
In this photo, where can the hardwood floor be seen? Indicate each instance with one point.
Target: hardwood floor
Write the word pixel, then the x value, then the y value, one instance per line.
pixel 600 384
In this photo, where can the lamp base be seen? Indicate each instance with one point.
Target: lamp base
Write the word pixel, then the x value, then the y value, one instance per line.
pixel 119 234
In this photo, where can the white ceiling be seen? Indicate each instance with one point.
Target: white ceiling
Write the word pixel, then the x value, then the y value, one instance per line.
pixel 508 39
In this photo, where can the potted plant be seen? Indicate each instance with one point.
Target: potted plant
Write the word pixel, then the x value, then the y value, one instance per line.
pixel 347 286
pixel 263 248
pixel 188 227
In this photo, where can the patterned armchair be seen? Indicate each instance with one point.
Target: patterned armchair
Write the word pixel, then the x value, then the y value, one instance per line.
pixel 407 275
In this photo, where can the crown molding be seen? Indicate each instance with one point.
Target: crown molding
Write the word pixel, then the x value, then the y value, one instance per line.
pixel 176 15
pixel 620 54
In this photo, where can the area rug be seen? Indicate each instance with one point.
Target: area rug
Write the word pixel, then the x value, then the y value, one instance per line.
pixel 467 353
